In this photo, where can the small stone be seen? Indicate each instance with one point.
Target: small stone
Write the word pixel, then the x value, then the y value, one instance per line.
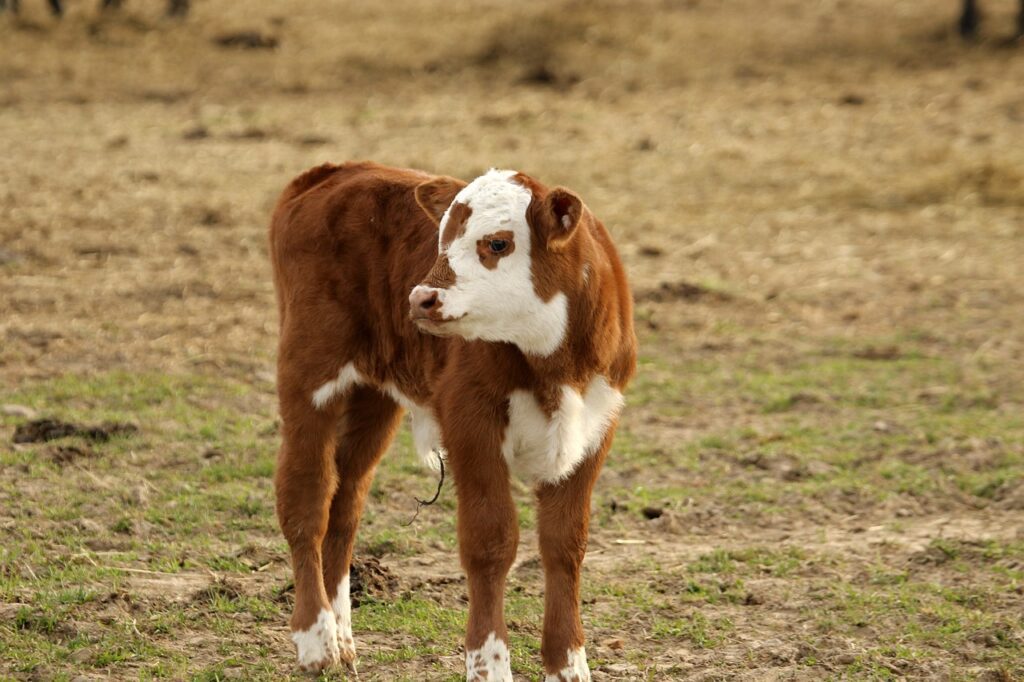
pixel 88 526
pixel 753 599
pixel 618 667
pixel 614 644
pixel 23 411
pixel 196 133
pixel 139 496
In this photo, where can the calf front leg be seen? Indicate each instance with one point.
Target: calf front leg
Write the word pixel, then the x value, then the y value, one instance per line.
pixel 563 520
pixel 488 536
pixel 304 482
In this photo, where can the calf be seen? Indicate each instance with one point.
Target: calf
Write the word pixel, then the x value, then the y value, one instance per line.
pixel 498 314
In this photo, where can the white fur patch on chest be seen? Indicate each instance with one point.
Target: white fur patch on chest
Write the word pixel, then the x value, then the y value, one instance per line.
pixel 548 449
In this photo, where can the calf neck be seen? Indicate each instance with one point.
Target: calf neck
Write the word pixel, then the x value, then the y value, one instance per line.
pixel 497 313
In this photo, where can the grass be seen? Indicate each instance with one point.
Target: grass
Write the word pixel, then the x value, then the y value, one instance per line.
pixel 165 504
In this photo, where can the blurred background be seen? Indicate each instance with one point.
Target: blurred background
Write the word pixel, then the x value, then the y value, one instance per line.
pixel 821 208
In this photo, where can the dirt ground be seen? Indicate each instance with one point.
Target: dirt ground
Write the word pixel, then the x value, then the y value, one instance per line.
pixel 821 208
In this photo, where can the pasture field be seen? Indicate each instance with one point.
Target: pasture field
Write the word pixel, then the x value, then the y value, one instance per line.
pixel 821 207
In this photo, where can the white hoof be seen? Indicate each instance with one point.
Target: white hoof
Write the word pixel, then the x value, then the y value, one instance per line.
pixel 342 606
pixel 575 670
pixel 490 662
pixel 318 646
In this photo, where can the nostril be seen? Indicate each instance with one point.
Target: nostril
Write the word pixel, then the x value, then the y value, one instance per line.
pixel 430 301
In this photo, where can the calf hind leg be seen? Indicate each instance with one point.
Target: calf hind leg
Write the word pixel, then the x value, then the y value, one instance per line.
pixel 367 425
pixel 563 520
pixel 304 483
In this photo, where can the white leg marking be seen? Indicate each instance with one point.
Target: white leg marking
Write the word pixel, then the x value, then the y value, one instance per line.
pixel 490 662
pixel 318 646
pixel 342 606
pixel 575 670
pixel 348 377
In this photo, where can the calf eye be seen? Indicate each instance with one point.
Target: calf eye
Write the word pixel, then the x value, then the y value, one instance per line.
pixel 498 245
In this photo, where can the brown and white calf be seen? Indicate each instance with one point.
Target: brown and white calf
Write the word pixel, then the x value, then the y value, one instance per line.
pixel 498 314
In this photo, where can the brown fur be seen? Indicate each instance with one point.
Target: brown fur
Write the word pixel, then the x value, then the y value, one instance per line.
pixel 348 244
pixel 441 274
pixel 458 216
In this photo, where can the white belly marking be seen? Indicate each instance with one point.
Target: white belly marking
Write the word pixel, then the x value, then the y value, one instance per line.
pixel 426 433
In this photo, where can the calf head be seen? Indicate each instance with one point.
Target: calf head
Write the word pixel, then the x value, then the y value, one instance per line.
pixel 505 260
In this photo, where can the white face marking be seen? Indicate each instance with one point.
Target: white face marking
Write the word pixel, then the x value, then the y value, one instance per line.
pixel 318 646
pixel 490 662
pixel 549 450
pixel 498 304
pixel 426 433
pixel 575 670
pixel 342 607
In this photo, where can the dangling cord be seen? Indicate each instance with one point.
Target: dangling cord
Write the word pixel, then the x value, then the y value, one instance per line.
pixel 420 504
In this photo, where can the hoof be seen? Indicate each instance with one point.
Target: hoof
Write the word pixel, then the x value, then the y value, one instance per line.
pixel 317 647
pixel 342 607
pixel 490 662
pixel 347 651
pixel 575 670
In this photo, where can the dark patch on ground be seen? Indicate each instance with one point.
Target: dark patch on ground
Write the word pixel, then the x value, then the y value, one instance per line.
pixel 879 353
pixel 370 578
pixel 246 40
pixel 224 588
pixel 680 291
pixel 45 430
pixel 66 454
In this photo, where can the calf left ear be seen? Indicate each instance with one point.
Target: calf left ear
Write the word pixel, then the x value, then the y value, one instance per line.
pixel 564 210
pixel 435 196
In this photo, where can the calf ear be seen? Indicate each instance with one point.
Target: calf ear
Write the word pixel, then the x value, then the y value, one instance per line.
pixel 435 196
pixel 564 210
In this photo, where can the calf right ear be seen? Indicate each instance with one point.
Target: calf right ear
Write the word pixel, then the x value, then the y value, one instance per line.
pixel 435 196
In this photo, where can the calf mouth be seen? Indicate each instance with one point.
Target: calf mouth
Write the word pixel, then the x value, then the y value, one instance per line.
pixel 437 326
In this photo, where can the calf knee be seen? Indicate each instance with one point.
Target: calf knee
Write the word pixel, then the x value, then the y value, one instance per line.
pixel 562 551
pixel 490 553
